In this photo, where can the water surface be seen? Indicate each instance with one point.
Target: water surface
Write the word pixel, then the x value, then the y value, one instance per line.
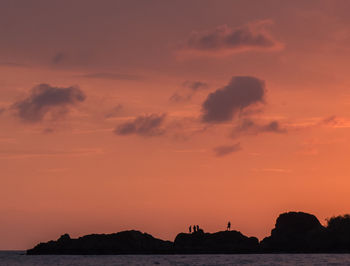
pixel 14 258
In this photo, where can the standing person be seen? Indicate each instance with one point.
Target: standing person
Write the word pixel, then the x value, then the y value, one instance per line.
pixel 190 229
pixel 194 229
pixel 197 228
pixel 228 226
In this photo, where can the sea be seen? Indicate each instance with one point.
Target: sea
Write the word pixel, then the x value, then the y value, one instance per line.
pixel 18 258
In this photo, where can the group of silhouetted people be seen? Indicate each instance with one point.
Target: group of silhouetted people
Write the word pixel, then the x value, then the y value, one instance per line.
pixel 194 228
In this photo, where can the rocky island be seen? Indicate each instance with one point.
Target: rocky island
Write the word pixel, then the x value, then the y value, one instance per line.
pixel 126 242
pixel 294 232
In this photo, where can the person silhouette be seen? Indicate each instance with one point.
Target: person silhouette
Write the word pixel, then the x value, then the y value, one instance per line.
pixel 190 229
pixel 228 226
pixel 197 227
pixel 194 229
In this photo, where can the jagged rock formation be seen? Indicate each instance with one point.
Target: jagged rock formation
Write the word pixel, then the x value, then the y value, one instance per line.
pixel 126 242
pixel 220 242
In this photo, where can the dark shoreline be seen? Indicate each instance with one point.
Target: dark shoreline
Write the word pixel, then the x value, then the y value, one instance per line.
pixel 294 233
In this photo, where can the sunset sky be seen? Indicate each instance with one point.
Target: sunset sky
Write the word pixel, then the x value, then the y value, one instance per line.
pixel 154 115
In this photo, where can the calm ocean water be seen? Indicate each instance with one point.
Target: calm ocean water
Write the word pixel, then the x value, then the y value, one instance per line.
pixel 14 258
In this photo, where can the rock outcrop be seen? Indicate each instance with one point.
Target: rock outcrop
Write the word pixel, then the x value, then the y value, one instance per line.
pixel 296 232
pixel 220 242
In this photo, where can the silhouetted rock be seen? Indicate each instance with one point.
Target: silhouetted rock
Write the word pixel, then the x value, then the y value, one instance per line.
pixel 220 242
pixel 296 232
pixel 338 229
pixel 126 242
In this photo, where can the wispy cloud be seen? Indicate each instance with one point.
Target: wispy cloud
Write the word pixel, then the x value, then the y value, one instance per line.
pixel 226 149
pixel 112 76
pixel 58 58
pixel 224 40
pixel 190 151
pixel 273 170
pixel 13 64
pixel 144 125
pixel 314 122
pixel 191 88
pixel 23 154
pixel 115 111
pixel 195 85
pixel 250 127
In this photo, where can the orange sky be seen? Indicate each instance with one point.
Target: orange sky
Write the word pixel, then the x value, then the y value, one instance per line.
pixel 145 121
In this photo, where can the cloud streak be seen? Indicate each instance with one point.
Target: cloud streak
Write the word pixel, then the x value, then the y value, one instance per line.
pixel 145 125
pixel 249 127
pixel 178 98
pixel 58 58
pixel 221 151
pixel 45 99
pixel 226 40
pixel 112 76
pixel 13 64
pixel 195 85
pixel 23 154
pixel 115 111
pixel 192 87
